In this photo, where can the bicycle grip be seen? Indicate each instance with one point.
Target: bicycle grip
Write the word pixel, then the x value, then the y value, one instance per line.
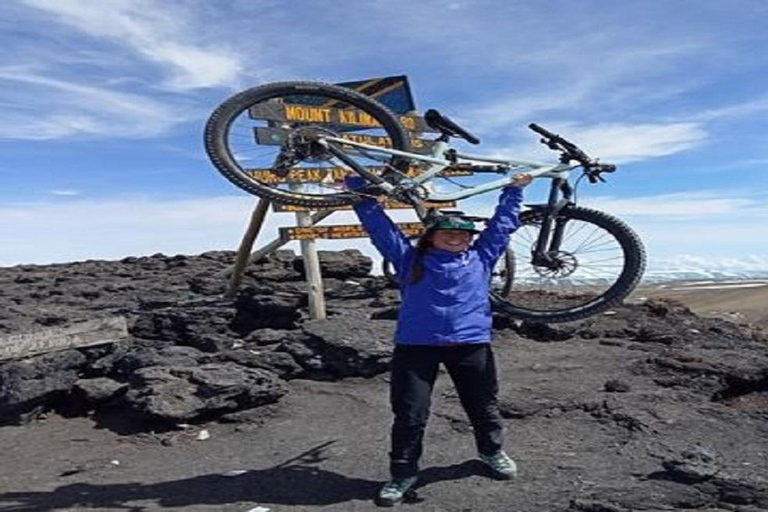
pixel 541 131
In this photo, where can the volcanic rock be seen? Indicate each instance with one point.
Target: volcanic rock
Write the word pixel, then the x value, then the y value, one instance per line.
pixel 182 393
pixel 349 263
pixel 649 407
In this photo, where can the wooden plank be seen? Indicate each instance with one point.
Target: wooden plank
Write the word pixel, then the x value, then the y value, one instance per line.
pixel 274 244
pixel 276 136
pixel 312 272
pixel 82 334
pixel 246 244
pixel 389 205
pixel 329 174
pixel 339 118
pixel 341 231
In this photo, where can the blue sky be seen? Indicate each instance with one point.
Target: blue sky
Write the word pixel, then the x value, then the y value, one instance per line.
pixel 103 105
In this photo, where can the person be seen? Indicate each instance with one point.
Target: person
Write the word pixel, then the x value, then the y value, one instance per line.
pixel 444 318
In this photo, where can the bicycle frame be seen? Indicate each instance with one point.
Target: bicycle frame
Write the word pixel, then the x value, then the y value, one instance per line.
pixel 440 163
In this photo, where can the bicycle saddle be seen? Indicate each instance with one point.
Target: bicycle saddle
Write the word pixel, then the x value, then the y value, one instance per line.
pixel 444 125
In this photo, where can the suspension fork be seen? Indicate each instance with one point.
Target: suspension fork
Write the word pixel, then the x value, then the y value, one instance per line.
pixel 552 225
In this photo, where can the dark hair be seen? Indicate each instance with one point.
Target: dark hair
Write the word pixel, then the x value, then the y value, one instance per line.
pixel 422 247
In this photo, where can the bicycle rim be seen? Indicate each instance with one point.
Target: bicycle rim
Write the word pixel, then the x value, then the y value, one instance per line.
pixel 264 140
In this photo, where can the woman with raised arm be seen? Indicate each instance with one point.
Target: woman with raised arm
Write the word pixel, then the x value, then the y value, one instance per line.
pixel 444 317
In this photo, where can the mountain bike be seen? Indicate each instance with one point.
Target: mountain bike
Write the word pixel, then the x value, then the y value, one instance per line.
pixel 571 262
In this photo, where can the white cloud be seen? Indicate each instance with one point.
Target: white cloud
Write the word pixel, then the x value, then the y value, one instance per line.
pixel 83 229
pixel 160 33
pixel 738 111
pixel 599 74
pixel 623 142
pixel 65 192
pixel 522 108
pixel 64 108
pixel 111 229
pixel 612 142
pixel 682 205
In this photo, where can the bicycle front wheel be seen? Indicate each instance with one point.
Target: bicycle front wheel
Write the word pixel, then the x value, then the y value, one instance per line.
pixel 599 262
pixel 265 141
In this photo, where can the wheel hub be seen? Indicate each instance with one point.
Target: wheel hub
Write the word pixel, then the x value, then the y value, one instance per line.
pixel 303 144
pixel 560 264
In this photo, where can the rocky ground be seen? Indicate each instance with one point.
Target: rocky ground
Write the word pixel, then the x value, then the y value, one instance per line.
pixel 248 405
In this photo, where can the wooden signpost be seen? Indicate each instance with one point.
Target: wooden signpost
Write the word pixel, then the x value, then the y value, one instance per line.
pixel 393 92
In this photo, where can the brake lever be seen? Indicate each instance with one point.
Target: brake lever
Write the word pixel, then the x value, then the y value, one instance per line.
pixel 551 144
pixel 594 177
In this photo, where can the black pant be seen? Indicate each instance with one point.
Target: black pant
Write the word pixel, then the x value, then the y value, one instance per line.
pixel 414 370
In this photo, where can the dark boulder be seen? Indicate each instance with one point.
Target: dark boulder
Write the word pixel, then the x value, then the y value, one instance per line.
pixel 267 336
pixel 98 390
pixel 275 310
pixel 346 264
pixel 174 394
pixel 280 363
pixel 30 387
pixel 278 267
pixel 352 344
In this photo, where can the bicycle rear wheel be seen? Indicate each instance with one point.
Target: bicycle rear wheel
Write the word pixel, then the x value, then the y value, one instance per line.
pixel 599 263
pixel 264 140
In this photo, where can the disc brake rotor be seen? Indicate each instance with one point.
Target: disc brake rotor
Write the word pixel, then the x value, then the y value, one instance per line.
pixel 563 264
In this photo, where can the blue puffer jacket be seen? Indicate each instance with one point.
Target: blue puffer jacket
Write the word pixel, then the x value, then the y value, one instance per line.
pixel 449 304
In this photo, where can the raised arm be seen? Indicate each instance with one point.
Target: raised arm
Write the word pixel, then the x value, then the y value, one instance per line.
pixel 493 240
pixel 385 235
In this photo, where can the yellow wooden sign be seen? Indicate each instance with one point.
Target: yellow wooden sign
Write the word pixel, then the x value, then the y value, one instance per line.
pixel 276 136
pixel 330 174
pixel 340 117
pixel 341 231
pixel 388 204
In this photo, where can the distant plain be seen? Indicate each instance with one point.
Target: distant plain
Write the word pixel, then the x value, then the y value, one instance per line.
pixel 742 301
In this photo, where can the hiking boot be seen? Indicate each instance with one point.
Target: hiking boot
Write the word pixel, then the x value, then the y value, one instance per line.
pixel 501 465
pixel 395 490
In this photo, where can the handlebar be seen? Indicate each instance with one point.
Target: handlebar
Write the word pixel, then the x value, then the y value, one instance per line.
pixel 554 141
pixel 570 151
